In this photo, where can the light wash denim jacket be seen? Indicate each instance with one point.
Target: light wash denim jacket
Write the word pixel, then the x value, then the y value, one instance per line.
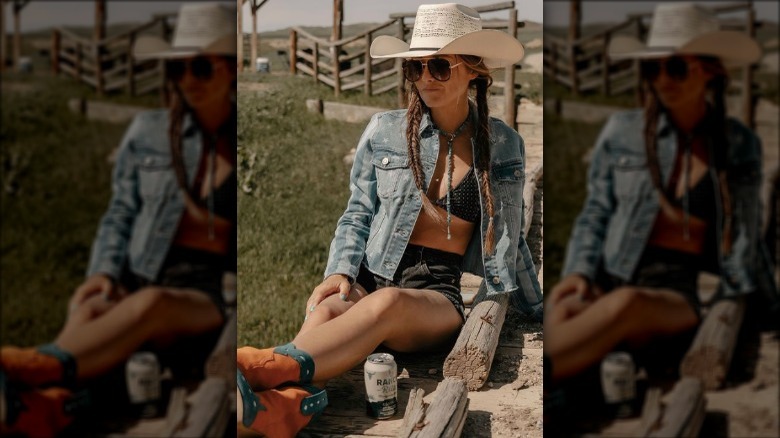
pixel 147 204
pixel 385 202
pixel 622 205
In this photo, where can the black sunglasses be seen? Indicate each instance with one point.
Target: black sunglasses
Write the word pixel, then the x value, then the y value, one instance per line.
pixel 439 68
pixel 676 68
pixel 200 67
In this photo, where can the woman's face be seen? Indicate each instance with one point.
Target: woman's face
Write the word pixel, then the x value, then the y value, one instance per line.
pixel 204 81
pixel 445 94
pixel 680 82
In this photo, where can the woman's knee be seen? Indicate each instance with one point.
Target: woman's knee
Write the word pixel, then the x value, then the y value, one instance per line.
pixel 624 304
pixel 146 303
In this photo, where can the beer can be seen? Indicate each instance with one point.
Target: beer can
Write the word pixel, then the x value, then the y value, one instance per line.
pixel 618 382
pixel 380 374
pixel 143 381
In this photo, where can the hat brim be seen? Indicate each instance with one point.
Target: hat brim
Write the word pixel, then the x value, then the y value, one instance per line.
pixel 733 48
pixel 497 49
pixel 149 47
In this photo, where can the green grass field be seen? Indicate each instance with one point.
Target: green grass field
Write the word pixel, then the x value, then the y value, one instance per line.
pixel 56 186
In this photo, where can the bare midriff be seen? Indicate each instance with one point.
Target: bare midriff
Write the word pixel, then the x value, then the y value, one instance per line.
pixel 433 234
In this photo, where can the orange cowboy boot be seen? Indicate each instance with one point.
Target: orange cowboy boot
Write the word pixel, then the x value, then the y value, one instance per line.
pixel 45 365
pixel 270 367
pixel 38 412
pixel 281 412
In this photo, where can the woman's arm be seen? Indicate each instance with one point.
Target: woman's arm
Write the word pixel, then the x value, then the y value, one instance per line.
pixel 584 250
pixel 349 243
pixel 109 248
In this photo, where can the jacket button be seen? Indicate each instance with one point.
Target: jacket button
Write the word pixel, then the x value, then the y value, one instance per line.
pixel 496 280
pixel 518 173
pixel 385 160
pixel 148 160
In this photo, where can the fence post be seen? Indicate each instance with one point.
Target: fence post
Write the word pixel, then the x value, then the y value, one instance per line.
pixel 131 65
pixel 316 62
pixel 368 72
pixel 99 67
pixel 293 51
pixel 79 57
pixel 510 107
pixel 554 61
pixel 605 65
pixel 55 51
pixel 400 74
pixel 575 86
pixel 336 71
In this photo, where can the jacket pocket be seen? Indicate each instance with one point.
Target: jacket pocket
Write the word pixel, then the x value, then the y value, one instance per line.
pixel 390 167
pixel 509 179
pixel 154 171
pixel 630 172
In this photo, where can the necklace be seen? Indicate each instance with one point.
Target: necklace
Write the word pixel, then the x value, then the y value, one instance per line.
pixel 451 136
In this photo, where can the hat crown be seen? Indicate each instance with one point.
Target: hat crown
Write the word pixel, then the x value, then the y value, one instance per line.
pixel 200 24
pixel 675 24
pixel 437 25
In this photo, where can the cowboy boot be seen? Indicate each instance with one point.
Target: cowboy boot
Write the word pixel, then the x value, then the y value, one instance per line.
pixel 37 412
pixel 45 365
pixel 280 412
pixel 270 367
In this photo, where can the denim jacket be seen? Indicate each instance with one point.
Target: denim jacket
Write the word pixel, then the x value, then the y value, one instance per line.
pixel 385 202
pixel 622 205
pixel 147 204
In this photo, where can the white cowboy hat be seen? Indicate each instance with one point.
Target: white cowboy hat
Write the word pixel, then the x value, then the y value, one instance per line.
pixel 201 28
pixel 687 29
pixel 451 29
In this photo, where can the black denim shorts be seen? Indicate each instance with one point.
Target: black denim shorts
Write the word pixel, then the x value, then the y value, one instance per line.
pixel 187 269
pixel 422 268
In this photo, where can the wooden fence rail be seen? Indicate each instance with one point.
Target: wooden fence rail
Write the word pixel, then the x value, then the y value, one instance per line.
pixel 346 64
pixel 108 65
pixel 583 65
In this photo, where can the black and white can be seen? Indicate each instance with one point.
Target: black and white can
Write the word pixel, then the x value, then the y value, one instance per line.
pixel 143 381
pixel 618 382
pixel 380 374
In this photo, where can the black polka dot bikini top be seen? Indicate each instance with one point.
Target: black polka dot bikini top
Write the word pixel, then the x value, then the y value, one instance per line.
pixel 464 198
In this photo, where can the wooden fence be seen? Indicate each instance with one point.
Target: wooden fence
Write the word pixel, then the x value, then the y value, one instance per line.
pixel 331 62
pixel 584 65
pixel 108 65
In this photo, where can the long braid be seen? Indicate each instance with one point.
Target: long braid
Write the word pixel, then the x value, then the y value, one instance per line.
pixel 719 140
pixel 413 119
pixel 652 112
pixel 177 111
pixel 482 160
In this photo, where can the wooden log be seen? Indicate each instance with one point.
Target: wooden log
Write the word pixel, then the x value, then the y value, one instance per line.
pixel 709 356
pixel 683 410
pixel 414 414
pixel 222 361
pixel 446 413
pixel 472 355
pixel 651 412
pixel 208 410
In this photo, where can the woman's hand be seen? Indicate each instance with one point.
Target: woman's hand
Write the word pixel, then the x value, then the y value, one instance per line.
pixel 336 283
pixel 94 284
pixel 572 284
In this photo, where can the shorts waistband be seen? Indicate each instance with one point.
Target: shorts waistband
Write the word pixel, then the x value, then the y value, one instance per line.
pixel 425 253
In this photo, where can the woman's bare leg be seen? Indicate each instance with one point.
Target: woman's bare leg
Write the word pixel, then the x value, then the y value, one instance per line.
pixel 626 314
pixel 110 333
pixel 402 319
pixel 330 308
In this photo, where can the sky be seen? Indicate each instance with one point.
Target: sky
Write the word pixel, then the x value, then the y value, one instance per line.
pixel 278 14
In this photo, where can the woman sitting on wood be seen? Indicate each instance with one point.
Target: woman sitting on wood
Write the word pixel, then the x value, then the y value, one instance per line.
pixel 672 192
pixel 436 190
pixel 156 270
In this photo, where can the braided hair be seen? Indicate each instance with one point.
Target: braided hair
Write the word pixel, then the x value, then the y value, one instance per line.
pixel 715 130
pixel 417 108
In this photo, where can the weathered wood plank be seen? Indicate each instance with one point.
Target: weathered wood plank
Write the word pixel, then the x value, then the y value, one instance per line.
pixel 651 412
pixel 681 411
pixel 444 416
pixel 472 355
pixel 709 356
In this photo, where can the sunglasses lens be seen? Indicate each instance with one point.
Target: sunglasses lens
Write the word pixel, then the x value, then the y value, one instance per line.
pixel 439 68
pixel 175 69
pixel 201 68
pixel 650 69
pixel 677 68
pixel 412 70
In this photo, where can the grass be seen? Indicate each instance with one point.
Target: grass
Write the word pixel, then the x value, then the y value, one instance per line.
pixel 56 185
pixel 566 142
pixel 293 161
